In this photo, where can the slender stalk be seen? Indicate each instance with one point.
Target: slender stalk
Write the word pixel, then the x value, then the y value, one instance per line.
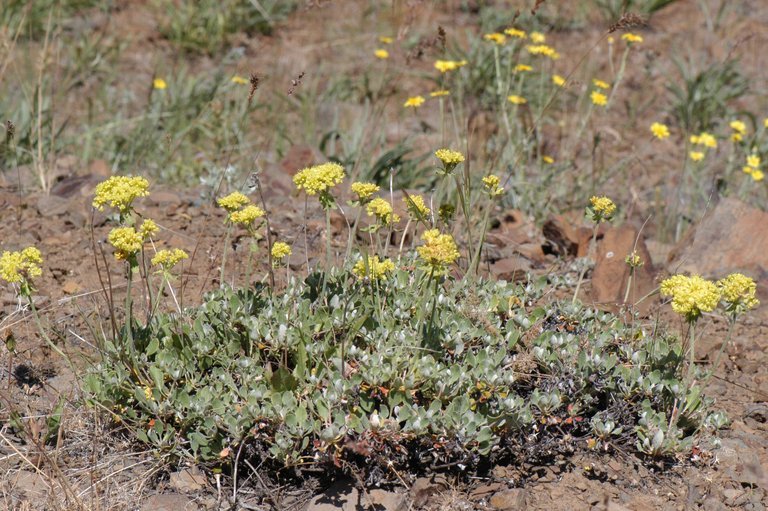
pixel 224 254
pixel 692 354
pixel 619 77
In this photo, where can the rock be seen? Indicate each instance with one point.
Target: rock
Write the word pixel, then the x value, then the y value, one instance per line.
pixel 511 269
pixel 424 488
pixel 565 239
pixel 508 499
pixel 726 241
pixel 342 496
pixel 387 500
pixel 169 502
pixel 712 504
pixel 163 198
pixel 611 274
pixel 188 480
pixel 52 205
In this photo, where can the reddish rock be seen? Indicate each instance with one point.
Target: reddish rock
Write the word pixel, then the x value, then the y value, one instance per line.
pixel 611 274
pixel 511 268
pixel 565 238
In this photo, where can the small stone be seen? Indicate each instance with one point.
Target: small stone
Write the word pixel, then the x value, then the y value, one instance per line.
pixel 188 480
pixel 509 499
pixel 169 502
pixel 387 500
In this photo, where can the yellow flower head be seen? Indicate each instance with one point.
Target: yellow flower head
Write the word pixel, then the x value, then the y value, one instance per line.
pixel 516 100
pixel 450 158
pixel 548 160
pixel 538 37
pixel 598 98
pixel 148 228
pixel 159 84
pixel 696 155
pixel 280 250
pixel 523 67
pixel 372 268
pixel 247 215
pixel 660 131
pixel 382 210
pixel 416 207
pixel 691 295
pixel 601 209
pixel 633 260
pixel 167 259
pixel 381 53
pixel 119 192
pixel 127 242
pixel 449 65
pixel 705 139
pixel 22 266
pixel 439 93
pixel 320 178
pixel 757 175
pixel 364 191
pixel 513 32
pixel 738 293
pixel 753 160
pixel 233 201
pixel 240 80
pixel 385 40
pixel 558 80
pixel 496 38
pixel 493 185
pixel 739 127
pixel 414 102
pixel 438 251
pixel 600 84
pixel 542 49
pixel 632 38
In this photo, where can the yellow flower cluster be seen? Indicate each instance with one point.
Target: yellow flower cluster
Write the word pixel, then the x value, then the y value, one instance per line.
pixel 416 207
pixel 364 191
pixel 159 84
pixel 233 201
pixel 602 208
pixel 239 80
pixel 247 215
pixel 493 185
pixel 167 259
pixel 598 98
pixel 414 102
pixel 381 53
pixel 632 38
pixel 385 39
pixel 280 250
pixel 513 32
pixel 633 260
pixel 691 295
pixel 558 80
pixel 320 178
pixel 449 65
pixel 704 139
pixel 449 157
pixel 516 100
pixel 753 167
pixel 659 130
pixel 600 84
pixel 439 93
pixel 119 192
pixel 438 251
pixel 523 67
pixel 373 268
pixel 496 37
pixel 148 228
pixel 738 292
pixel 127 242
pixel 538 37
pixel 382 210
pixel 542 49
pixel 22 266
pixel 739 130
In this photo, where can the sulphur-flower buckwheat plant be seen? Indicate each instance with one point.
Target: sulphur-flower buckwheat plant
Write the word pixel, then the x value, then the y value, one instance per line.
pixel 439 251
pixel 496 37
pixel 168 258
pixel 246 216
pixel 493 186
pixel 126 241
pixel 738 293
pixel 691 295
pixel 21 267
pixel 449 158
pixel 416 207
pixel 364 191
pixel 373 268
pixel 601 209
pixel 119 192
pixel 414 102
pixel 382 210
pixel 148 229
pixel 233 201
pixel 319 179
pixel 280 250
